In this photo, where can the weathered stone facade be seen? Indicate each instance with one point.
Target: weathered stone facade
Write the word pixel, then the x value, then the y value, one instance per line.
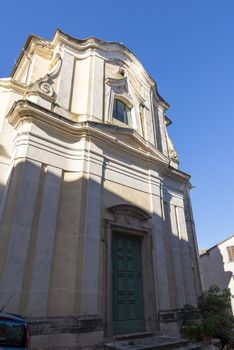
pixel 74 178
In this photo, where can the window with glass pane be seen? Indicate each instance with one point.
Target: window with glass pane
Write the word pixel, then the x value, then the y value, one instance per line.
pixel 122 112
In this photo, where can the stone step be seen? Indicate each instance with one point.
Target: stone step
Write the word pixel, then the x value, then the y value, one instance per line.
pixel 133 336
pixel 151 343
pixel 189 346
pixel 140 343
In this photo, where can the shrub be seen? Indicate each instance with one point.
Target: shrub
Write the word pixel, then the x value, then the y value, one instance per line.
pixel 215 318
pixel 192 331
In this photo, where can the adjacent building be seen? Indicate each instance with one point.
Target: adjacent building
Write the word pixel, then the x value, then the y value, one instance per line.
pixel 96 229
pixel 217 266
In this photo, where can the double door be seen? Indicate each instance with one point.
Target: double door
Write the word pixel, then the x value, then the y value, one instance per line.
pixel 128 308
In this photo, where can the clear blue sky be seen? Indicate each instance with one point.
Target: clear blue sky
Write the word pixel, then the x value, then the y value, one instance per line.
pixel 187 46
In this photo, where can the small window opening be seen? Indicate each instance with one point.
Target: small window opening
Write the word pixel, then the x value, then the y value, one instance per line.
pixel 230 253
pixel 122 112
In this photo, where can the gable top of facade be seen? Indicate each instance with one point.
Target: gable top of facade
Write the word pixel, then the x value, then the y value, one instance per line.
pixel 46 47
pixel 203 252
pixel 83 80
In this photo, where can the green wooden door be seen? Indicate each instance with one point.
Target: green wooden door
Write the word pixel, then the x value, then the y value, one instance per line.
pixel 128 311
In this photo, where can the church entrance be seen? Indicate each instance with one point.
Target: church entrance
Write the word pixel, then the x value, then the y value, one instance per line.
pixel 128 308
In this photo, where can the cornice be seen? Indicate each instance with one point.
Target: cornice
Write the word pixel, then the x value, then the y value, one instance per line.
pixel 10 83
pixel 45 48
pixel 24 110
pixel 167 121
pixel 207 251
pixel 28 48
pixel 130 210
pixel 179 173
pixel 106 46
pixel 162 103
pixel 34 41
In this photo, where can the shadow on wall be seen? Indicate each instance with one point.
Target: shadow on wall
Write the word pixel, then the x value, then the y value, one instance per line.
pixel 5 159
pixel 52 245
pixel 212 266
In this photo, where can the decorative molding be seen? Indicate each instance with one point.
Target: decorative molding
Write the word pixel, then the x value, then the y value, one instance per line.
pixel 24 110
pixel 43 44
pixel 171 149
pixel 135 222
pixel 119 86
pixel 44 84
pixel 129 210
pixel 12 84
pixel 104 46
pixel 175 315
pixel 74 324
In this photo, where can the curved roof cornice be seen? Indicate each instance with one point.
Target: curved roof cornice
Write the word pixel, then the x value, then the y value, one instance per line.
pixel 106 46
pixel 34 41
pixel 27 50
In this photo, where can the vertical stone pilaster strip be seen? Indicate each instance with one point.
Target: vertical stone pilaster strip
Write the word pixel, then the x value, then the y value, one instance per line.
pixel 159 256
pixel 96 88
pixel 80 249
pixel 179 278
pixel 8 211
pixel 186 258
pixel 169 256
pixel 32 245
pixel 38 297
pixel 91 280
pixel 192 238
pixel 67 247
pixel 65 82
pixel 12 281
pixel 163 130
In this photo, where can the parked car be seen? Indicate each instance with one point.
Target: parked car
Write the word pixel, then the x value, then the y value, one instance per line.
pixel 14 332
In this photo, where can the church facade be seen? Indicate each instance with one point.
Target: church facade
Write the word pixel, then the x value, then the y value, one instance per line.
pixel 97 237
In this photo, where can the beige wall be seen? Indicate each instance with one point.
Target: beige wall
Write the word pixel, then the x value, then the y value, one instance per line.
pixel 63 171
pixel 66 222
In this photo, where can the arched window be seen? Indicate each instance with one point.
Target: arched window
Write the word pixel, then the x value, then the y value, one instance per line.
pixel 122 112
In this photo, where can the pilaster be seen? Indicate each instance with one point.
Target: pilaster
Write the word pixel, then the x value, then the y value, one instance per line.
pixel 92 232
pixel 159 254
pixel 21 226
pixel 44 243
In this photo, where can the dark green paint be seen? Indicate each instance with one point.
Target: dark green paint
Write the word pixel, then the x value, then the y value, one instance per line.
pixel 128 311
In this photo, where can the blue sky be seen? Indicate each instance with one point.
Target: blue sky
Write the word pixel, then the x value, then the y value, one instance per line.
pixel 187 46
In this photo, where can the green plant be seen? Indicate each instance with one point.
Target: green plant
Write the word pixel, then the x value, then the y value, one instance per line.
pixel 207 327
pixel 191 331
pixel 217 320
pixel 215 301
pixel 131 342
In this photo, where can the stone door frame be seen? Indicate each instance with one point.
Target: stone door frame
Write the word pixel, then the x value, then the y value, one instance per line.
pixel 134 221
